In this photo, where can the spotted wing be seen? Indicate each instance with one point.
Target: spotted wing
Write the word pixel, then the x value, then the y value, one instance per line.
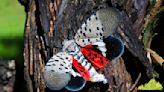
pixel 57 71
pixel 90 32
pixel 61 62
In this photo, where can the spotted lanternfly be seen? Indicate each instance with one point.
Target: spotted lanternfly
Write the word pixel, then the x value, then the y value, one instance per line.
pixel 81 57
pixel 80 62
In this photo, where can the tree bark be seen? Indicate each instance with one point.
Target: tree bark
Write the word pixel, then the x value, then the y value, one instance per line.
pixel 49 22
pixel 7 75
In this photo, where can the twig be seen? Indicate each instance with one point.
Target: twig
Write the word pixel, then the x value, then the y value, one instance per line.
pixel 156 57
pixel 134 85
pixel 153 12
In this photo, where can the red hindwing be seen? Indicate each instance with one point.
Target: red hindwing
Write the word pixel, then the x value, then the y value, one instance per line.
pixel 96 59
pixel 81 69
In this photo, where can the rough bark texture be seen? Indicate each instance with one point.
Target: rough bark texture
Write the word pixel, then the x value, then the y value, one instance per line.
pixel 7 75
pixel 66 16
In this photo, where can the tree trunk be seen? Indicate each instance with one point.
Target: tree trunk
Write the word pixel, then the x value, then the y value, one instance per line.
pixel 66 16
pixel 7 75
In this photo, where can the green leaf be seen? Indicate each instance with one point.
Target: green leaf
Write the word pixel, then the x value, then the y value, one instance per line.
pixel 151 85
pixel 148 34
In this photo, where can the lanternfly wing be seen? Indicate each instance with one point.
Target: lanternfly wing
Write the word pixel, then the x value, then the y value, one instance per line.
pixel 96 59
pixel 61 62
pixel 81 69
pixel 57 71
pixel 90 32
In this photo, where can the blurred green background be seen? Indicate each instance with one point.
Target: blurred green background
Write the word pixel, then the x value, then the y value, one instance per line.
pixel 12 21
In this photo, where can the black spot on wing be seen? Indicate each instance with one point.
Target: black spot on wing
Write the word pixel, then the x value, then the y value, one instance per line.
pixel 97 28
pixel 84 34
pixel 64 62
pixel 100 34
pixel 96 18
pixel 86 63
pixel 89 30
pixel 53 64
pixel 48 65
pixel 81 70
pixel 61 65
pixel 93 58
pixel 61 58
pixel 66 67
pixel 78 57
pixel 85 23
pixel 85 28
pixel 101 61
pixel 89 18
pixel 95 55
pixel 90 67
pixel 101 58
pixel 81 31
pixel 60 68
pixel 102 29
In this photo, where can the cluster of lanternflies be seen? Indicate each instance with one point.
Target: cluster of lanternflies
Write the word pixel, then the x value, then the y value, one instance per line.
pixel 92 48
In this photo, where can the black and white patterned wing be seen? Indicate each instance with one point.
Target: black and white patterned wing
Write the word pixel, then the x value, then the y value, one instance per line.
pixel 91 32
pixel 57 72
